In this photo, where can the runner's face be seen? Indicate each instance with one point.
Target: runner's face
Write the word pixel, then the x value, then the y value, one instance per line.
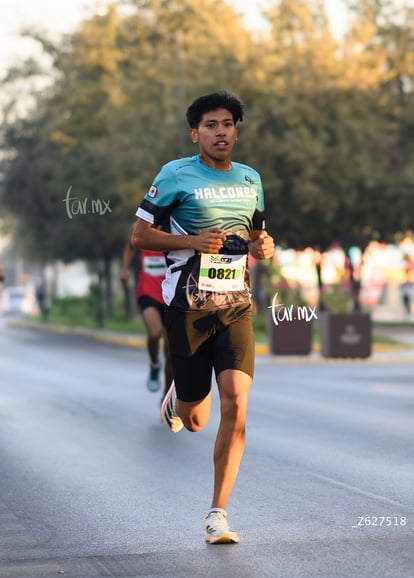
pixel 215 136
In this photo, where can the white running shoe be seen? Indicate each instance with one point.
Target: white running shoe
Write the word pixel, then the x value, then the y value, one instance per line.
pixel 217 529
pixel 168 411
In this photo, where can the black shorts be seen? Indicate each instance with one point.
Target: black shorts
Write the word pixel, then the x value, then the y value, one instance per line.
pixel 201 341
pixel 145 301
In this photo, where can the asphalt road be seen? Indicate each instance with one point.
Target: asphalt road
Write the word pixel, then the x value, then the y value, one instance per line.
pixel 93 485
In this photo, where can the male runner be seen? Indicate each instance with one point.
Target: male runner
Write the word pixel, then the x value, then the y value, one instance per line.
pixel 151 274
pixel 206 213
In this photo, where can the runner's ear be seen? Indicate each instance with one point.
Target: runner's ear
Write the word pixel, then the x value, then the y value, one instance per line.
pixel 193 135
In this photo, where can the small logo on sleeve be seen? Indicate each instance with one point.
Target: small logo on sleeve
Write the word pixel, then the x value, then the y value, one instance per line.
pixel 153 192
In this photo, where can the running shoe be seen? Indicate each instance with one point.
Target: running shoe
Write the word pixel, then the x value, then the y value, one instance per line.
pixel 154 378
pixel 168 411
pixel 217 529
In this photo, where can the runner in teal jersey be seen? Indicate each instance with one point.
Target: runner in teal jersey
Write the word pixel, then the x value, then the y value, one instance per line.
pixel 188 197
pixel 206 213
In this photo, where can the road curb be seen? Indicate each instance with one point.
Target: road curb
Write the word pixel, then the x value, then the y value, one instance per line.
pixel 382 353
pixel 138 341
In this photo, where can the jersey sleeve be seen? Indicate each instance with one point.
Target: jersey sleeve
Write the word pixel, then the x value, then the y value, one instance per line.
pixel 160 199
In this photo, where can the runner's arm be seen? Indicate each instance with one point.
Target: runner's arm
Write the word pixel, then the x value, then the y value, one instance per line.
pixel 127 255
pixel 146 236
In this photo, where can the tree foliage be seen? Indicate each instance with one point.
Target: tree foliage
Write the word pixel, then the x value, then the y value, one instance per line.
pixel 329 123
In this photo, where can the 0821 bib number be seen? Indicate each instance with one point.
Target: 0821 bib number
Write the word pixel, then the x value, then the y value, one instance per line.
pixel 222 272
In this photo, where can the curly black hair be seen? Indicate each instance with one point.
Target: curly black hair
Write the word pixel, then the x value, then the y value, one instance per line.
pixel 214 101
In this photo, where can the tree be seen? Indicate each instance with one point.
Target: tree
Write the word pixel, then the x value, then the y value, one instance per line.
pixel 328 123
pixel 106 124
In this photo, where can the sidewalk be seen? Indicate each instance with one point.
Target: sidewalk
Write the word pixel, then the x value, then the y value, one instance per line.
pixel 402 352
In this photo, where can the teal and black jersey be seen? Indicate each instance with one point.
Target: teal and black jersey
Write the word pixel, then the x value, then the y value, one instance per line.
pixel 187 198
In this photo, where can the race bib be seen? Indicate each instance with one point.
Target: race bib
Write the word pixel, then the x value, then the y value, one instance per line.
pixel 154 265
pixel 222 273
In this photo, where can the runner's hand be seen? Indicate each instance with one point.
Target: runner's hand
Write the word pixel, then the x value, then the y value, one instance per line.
pixel 124 276
pixel 210 241
pixel 263 247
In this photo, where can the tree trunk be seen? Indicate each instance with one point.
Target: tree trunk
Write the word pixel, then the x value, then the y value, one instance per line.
pixel 108 287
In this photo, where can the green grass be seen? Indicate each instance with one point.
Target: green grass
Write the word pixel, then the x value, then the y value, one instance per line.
pixel 134 326
pixel 80 312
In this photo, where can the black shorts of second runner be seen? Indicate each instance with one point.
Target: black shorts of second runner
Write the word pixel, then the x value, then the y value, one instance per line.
pixel 145 301
pixel 201 341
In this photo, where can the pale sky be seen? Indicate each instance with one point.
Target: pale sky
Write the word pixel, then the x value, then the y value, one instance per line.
pixel 63 15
